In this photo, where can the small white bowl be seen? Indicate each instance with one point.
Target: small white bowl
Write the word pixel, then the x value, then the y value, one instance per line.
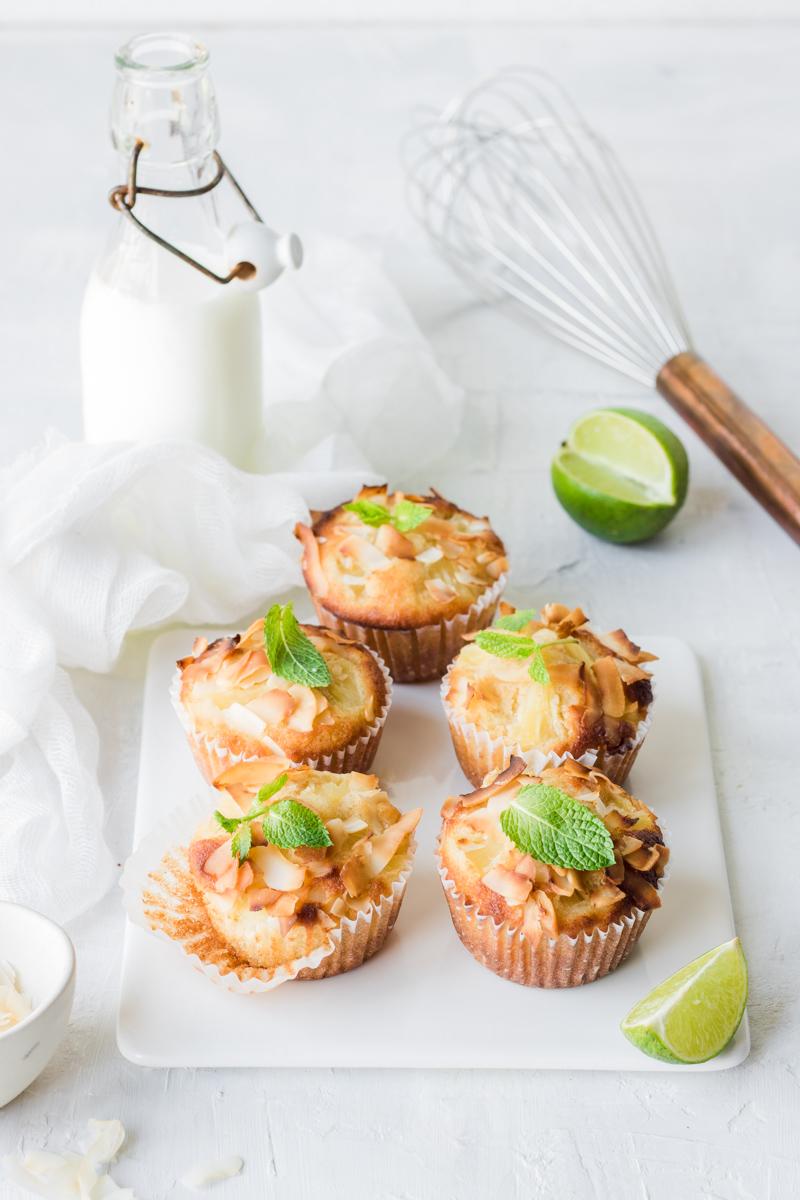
pixel 44 960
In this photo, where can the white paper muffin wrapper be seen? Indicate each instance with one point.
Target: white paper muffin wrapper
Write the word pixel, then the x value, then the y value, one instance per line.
pixel 479 753
pixel 213 756
pixel 160 897
pixel 558 962
pixel 417 655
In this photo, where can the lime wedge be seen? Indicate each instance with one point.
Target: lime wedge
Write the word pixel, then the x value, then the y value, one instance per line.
pixel 621 474
pixel 692 1016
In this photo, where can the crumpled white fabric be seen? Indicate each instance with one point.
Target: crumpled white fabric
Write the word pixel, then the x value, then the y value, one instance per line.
pixel 344 355
pixel 98 541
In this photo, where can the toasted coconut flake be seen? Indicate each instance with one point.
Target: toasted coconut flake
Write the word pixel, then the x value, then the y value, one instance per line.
pixel 643 892
pixel 394 543
pixel 311 560
pixel 429 556
pixel 620 644
pixel 305 710
pixel 644 859
pixel 563 881
pixel 546 913
pixel 277 871
pixel 382 848
pixel 219 862
pixel 244 720
pixel 569 678
pixel 284 906
pixel 354 825
pixel 629 673
pixel 362 551
pixel 514 888
pixel 497 567
pixel 440 591
pixel 261 897
pixel 273 707
pixel 612 693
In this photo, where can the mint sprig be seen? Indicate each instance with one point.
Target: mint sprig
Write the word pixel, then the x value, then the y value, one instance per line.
pixel 405 516
pixel 505 644
pixel 553 827
pixel 368 512
pixel 286 823
pixel 291 654
pixel 517 620
pixel 289 824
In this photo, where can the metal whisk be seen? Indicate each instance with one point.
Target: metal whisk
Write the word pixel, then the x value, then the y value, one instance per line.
pixel 530 205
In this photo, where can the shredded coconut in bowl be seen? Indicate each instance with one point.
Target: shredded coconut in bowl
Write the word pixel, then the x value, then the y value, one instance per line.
pixel 14 1004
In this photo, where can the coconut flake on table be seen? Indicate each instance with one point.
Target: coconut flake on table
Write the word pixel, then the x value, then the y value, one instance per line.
pixel 15 1005
pixel 205 1174
pixel 69 1175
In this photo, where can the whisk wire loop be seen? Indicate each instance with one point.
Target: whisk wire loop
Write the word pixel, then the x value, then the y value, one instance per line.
pixel 527 203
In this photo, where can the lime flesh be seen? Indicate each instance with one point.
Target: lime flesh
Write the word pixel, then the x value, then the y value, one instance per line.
pixel 621 474
pixel 691 1017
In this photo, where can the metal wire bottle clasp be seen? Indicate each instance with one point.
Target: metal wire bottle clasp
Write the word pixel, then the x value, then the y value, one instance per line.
pixel 123 199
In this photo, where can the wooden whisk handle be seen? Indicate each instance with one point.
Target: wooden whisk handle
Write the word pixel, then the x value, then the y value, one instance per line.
pixel 750 450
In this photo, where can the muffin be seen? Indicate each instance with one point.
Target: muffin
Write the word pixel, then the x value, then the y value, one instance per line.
pixel 322 702
pixel 299 874
pixel 550 877
pixel 546 688
pixel 407 575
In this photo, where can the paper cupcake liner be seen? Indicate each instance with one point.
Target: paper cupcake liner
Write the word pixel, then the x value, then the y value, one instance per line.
pixel 160 896
pixel 479 753
pixel 213 756
pixel 558 962
pixel 417 655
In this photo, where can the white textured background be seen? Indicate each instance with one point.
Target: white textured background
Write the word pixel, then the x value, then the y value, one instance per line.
pixel 702 100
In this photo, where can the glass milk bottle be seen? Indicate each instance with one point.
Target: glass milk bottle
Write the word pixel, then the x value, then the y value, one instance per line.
pixel 171 323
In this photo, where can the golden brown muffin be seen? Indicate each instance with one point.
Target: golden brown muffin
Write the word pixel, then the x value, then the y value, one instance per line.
pixel 275 905
pixel 544 921
pixel 408 575
pixel 574 692
pixel 234 705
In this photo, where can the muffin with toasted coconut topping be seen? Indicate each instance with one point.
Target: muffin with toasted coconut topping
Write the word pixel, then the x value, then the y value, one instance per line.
pixel 548 686
pixel 550 877
pixel 298 874
pixel 282 688
pixel 409 576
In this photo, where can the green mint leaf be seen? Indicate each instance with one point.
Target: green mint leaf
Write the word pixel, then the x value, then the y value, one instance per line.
pixel 288 824
pixel 368 512
pixel 265 794
pixel 517 620
pixel 241 827
pixel 538 669
pixel 291 654
pixel 242 841
pixel 505 645
pixel 407 515
pixel 229 824
pixel 555 828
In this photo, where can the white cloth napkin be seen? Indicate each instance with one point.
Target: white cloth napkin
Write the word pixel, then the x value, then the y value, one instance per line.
pixel 345 357
pixel 97 541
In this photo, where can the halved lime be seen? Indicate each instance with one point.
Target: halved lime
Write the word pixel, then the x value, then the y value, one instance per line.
pixel 692 1016
pixel 621 474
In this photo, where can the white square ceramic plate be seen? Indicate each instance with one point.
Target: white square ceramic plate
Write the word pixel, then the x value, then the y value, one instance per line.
pixel 423 1001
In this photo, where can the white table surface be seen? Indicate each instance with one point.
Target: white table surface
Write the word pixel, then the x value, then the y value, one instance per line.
pixel 705 116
